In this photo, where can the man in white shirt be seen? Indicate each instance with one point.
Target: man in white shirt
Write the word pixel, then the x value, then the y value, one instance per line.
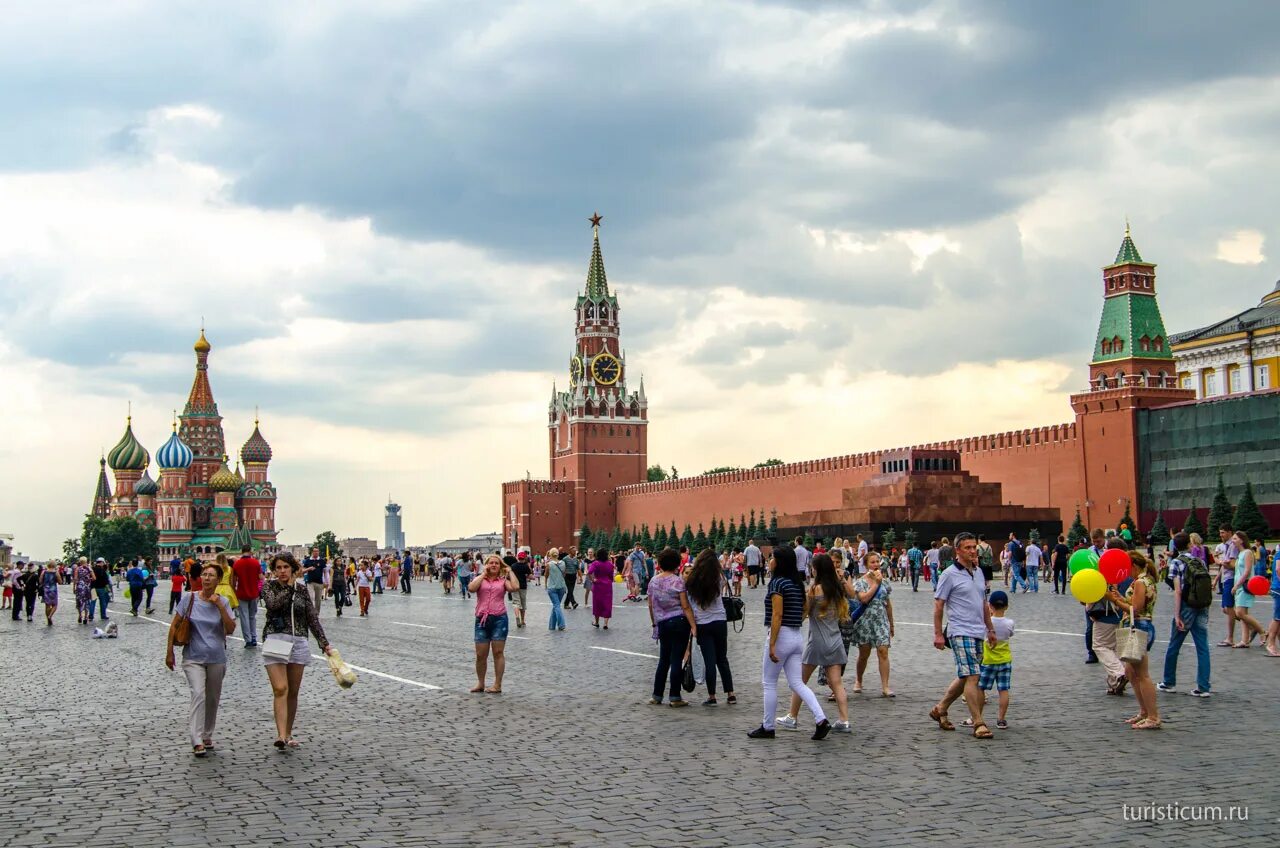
pixel 802 558
pixel 754 559
pixel 933 559
pixel 1035 557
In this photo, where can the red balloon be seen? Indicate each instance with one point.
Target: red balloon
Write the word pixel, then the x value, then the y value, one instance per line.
pixel 1258 585
pixel 1114 565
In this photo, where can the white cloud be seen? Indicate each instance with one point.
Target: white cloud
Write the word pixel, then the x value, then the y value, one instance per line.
pixel 1243 247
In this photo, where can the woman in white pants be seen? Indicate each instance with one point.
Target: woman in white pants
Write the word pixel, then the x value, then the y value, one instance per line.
pixel 785 607
pixel 204 657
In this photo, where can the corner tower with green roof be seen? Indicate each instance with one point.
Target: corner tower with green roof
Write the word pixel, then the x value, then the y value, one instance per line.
pixel 1131 348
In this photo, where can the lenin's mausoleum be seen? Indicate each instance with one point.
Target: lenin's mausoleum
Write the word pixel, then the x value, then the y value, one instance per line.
pixel 1161 418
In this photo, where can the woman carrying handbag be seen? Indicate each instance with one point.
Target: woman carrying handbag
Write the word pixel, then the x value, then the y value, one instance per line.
pixel 291 615
pixel 201 625
pixel 1135 639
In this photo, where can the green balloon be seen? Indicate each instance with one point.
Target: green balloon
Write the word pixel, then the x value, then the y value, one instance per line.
pixel 1082 559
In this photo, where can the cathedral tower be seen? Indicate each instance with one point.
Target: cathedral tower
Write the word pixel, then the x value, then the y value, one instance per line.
pixel 257 494
pixel 128 459
pixel 201 431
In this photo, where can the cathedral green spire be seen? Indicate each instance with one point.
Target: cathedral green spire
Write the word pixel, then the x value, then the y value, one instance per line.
pixel 597 283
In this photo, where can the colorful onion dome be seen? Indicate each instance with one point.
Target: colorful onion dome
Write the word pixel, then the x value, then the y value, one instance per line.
pixel 146 486
pixel 174 453
pixel 128 454
pixel 223 480
pixel 256 449
pixel 239 477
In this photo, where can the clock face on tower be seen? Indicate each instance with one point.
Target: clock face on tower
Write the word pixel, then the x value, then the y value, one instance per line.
pixel 606 369
pixel 575 369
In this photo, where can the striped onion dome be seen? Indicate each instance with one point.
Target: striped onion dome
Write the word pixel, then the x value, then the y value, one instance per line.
pixel 146 486
pixel 174 453
pixel 256 449
pixel 128 454
pixel 223 480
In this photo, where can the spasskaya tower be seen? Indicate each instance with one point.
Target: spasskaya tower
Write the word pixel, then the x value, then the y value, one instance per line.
pixel 597 430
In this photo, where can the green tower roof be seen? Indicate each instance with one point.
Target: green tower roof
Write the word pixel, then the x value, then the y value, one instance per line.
pixel 1129 317
pixel 1128 252
pixel 597 283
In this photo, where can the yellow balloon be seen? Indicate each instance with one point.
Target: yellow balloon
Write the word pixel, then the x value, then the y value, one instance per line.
pixel 1088 585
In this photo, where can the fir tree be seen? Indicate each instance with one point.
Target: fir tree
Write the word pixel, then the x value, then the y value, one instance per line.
pixel 660 541
pixel 773 524
pixel 808 539
pixel 751 527
pixel 1248 517
pixel 1192 524
pixel 615 541
pixel 1127 521
pixel 1078 532
pixel 1221 512
pixel 584 537
pixel 699 541
pixel 673 538
pixel 732 535
pixel 887 539
pixel 909 537
pixel 1159 530
pixel 686 538
pixel 628 540
pixel 646 540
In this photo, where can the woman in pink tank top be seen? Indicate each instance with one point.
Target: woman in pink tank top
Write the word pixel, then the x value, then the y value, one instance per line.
pixel 490 587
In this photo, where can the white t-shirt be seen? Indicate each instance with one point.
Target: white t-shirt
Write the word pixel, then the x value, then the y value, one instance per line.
pixel 933 557
pixel 1034 556
pixel 362 578
pixel 862 551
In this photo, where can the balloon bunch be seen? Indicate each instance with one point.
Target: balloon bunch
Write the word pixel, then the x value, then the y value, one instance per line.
pixel 1090 574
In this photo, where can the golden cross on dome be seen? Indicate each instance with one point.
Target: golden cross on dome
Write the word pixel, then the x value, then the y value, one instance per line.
pixel 595 219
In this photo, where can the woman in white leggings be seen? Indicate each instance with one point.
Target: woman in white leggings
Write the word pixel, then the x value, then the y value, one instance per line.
pixel 785 606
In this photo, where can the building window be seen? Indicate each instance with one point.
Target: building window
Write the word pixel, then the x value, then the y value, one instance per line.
pixel 1210 383
pixel 1106 346
pixel 1158 342
pixel 1145 342
pixel 1262 377
pixel 1117 344
pixel 1184 381
pixel 1236 381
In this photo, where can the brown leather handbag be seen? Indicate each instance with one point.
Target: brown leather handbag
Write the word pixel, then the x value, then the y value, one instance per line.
pixel 182 622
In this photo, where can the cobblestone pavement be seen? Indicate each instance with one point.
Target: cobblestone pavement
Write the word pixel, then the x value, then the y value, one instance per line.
pixel 93 750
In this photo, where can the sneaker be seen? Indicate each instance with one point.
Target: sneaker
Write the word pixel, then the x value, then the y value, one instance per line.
pixel 842 727
pixel 761 732
pixel 655 702
pixel 822 729
pixel 785 723
pixel 1196 693
pixel 1164 688
pixel 679 702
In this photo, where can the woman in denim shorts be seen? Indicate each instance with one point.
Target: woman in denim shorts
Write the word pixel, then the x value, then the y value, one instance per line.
pixel 491 625
pixel 291 614
pixel 1139 604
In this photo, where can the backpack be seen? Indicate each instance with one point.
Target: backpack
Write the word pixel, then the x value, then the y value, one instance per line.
pixel 1197 585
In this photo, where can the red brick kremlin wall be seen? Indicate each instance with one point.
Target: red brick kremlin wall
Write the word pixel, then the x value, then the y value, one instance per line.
pixel 1037 467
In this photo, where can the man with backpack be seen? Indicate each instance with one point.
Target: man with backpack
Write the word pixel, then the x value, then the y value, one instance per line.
pixel 1192 597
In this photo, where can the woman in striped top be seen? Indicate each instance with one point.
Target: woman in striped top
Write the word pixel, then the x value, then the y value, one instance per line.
pixel 785 609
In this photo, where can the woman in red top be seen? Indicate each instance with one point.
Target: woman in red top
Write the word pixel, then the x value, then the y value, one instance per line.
pixel 490 588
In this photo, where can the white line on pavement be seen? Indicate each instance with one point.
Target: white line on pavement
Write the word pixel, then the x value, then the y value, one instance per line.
pixel 322 657
pixel 408 624
pixel 620 651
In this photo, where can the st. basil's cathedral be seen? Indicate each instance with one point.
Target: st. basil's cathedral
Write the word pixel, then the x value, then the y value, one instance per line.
pixel 199 505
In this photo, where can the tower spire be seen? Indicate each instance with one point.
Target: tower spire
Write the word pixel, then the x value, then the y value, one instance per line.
pixel 597 283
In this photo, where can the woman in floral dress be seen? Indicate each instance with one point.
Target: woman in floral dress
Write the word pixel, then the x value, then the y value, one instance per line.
pixel 875 628
pixel 82 577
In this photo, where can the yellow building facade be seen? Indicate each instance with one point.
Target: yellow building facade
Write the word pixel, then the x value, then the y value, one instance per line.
pixel 1235 356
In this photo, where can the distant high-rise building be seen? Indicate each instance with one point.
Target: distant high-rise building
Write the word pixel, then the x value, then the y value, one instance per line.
pixel 393 532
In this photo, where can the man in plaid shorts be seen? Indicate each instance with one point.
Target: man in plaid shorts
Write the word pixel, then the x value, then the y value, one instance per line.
pixel 961 594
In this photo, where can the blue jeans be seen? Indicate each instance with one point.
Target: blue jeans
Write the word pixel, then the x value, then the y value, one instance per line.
pixel 915 578
pixel 247 612
pixel 1019 569
pixel 104 595
pixel 557 613
pixel 1033 578
pixel 933 575
pixel 1196 623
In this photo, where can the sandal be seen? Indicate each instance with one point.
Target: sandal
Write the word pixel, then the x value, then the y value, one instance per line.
pixel 1240 645
pixel 888 693
pixel 981 731
pixel 1147 724
pixel 208 745
pixel 1225 643
pixel 279 743
pixel 198 750
pixel 1002 724
pixel 944 723
pixel 293 743
pixel 1135 719
pixel 492 691
pixel 967 723
pixel 733 699
pixel 476 690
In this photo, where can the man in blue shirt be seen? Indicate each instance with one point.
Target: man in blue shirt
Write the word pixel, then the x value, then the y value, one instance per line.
pixel 1017 562
pixel 313 576
pixel 137 581
pixel 916 559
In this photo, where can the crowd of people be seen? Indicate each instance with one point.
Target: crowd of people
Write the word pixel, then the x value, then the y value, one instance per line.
pixel 842 592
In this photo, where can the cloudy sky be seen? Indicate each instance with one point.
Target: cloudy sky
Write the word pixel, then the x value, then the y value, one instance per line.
pixel 832 226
